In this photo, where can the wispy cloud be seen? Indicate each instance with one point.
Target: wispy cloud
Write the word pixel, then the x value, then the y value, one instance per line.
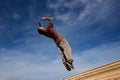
pixel 90 20
pixel 16 16
pixel 60 6
pixel 31 56
pixel 97 56
pixel 84 13
pixel 14 65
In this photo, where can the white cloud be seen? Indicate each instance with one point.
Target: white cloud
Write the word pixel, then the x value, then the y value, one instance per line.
pixel 81 11
pixel 31 59
pixel 97 56
pixel 16 16
pixel 24 70
pixel 72 4
pixel 3 28
pixel 21 64
pixel 16 65
pixel 95 9
pixel 89 18
pixel 64 17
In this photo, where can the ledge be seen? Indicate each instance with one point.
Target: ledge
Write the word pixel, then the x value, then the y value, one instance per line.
pixel 98 70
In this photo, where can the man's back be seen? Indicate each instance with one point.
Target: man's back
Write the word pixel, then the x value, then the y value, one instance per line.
pixel 50 32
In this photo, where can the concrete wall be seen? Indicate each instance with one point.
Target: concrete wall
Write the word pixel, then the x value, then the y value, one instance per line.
pixel 109 71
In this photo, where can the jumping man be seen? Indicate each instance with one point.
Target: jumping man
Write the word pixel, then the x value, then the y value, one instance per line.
pixel 62 44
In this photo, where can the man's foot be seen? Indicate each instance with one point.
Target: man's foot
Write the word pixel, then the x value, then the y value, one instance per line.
pixel 70 65
pixel 67 66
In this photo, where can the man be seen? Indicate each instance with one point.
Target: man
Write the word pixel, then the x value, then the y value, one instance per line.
pixel 61 42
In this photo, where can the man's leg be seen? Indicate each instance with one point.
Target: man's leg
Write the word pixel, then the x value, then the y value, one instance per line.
pixel 63 58
pixel 61 54
pixel 66 52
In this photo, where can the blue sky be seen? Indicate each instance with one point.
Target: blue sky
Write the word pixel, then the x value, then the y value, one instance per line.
pixel 92 28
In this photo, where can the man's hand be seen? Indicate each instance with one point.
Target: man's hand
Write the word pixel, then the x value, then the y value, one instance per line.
pixel 39 24
pixel 43 18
